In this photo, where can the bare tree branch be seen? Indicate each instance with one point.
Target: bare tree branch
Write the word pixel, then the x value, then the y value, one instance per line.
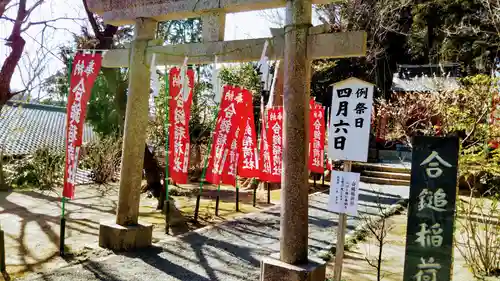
pixel 7 18
pixel 3 6
pixel 93 22
pixel 30 10
pixel 17 44
pixel 48 21
pixel 474 126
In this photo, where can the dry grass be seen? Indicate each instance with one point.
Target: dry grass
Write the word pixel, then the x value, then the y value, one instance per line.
pixel 185 201
pixel 356 268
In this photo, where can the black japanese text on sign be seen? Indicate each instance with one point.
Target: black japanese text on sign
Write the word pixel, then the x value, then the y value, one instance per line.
pixel 350 118
pixel 431 210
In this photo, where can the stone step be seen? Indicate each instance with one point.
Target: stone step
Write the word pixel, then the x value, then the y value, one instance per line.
pixel 380 167
pixel 366 179
pixel 386 175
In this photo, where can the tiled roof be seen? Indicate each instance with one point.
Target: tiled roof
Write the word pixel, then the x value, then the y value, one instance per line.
pixel 426 78
pixel 26 127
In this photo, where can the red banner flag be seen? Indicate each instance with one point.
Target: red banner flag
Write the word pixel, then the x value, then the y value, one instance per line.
pixel 242 97
pixel 224 151
pixel 248 166
pixel 264 154
pixel 84 72
pixel 316 139
pixel 178 132
pixel 275 141
pixel 329 166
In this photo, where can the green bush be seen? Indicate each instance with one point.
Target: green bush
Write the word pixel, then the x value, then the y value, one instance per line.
pixel 102 158
pixel 44 169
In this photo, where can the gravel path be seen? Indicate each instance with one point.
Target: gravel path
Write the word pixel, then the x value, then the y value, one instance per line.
pixel 230 251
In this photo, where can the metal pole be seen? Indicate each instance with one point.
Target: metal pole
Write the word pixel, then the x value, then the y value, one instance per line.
pixel 62 229
pixel 167 154
pixel 237 197
pixel 268 192
pixel 204 171
pixel 255 186
pixel 2 252
pixel 217 201
pixel 341 229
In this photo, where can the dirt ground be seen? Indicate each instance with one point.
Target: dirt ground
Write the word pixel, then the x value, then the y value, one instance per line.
pixel 31 220
pixel 356 267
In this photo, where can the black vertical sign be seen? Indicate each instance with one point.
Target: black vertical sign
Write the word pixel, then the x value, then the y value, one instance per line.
pixel 431 210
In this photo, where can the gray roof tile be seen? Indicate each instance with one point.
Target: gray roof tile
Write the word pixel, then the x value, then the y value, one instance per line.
pixel 26 127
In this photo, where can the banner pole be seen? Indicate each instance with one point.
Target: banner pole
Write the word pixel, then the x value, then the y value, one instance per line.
pixel 255 182
pixel 237 195
pixel 325 153
pixel 324 170
pixel 167 154
pixel 255 186
pixel 268 193
pixel 2 252
pixel 62 230
pixel 217 201
pixel 342 226
pixel 204 171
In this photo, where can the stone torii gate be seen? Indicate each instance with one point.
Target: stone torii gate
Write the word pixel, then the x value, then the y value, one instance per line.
pixel 297 44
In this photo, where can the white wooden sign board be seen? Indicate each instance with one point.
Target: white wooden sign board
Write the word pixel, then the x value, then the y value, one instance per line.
pixel 344 192
pixel 350 120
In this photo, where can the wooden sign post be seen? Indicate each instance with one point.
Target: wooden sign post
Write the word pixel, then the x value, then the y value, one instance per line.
pixel 348 137
pixel 431 210
pixel 297 45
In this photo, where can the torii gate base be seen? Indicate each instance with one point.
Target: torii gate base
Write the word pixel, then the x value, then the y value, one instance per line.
pixel 272 269
pixel 123 238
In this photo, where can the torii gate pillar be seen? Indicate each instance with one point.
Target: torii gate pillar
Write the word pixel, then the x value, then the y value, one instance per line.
pixel 293 262
pixel 127 233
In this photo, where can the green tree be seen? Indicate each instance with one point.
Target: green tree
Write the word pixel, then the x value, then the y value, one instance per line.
pixel 102 112
pixel 245 75
pixel 180 31
pixel 458 31
pixel 410 32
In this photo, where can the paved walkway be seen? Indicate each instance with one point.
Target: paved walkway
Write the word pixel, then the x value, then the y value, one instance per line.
pixel 230 251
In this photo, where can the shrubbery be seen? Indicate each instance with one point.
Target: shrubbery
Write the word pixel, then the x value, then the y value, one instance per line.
pixel 102 158
pixel 44 169
pixel 464 113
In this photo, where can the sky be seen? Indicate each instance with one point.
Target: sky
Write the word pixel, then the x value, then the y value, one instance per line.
pixel 238 26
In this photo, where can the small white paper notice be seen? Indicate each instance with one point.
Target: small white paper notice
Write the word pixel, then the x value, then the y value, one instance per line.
pixel 344 188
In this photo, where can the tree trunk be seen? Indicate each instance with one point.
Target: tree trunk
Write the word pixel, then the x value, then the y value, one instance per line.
pixel 3 6
pixel 153 173
pixel 3 184
pixel 380 250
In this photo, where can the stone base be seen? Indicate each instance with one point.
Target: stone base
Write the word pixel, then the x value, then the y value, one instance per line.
pixel 272 269
pixel 123 238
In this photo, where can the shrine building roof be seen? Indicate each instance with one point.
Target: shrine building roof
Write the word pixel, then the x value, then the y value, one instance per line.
pixel 26 127
pixel 426 78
